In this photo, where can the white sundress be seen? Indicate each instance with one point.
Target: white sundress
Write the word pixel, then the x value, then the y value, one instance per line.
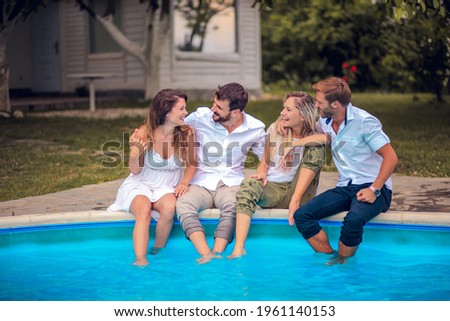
pixel 157 178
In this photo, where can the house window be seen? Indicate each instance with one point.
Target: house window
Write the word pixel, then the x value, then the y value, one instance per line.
pixel 205 26
pixel 99 39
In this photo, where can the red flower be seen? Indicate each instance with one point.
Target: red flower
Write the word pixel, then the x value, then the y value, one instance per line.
pixel 349 72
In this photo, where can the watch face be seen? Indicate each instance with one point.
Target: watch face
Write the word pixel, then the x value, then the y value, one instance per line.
pixel 375 191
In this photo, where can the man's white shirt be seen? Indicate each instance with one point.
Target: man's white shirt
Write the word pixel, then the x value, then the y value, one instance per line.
pixel 221 155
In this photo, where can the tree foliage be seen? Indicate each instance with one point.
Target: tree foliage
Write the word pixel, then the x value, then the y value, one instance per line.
pixel 409 8
pixel 14 10
pixel 304 41
pixel 426 48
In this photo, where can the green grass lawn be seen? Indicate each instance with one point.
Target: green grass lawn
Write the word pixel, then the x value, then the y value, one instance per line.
pixel 44 155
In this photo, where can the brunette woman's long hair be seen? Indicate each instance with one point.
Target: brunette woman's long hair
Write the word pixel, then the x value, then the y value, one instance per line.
pixel 161 105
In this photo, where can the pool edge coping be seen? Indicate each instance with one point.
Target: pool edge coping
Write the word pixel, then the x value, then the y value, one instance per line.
pixel 94 216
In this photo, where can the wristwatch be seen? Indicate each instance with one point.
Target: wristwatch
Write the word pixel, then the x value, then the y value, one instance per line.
pixel 375 190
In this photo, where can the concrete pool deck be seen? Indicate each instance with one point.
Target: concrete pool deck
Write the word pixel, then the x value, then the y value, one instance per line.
pixel 416 200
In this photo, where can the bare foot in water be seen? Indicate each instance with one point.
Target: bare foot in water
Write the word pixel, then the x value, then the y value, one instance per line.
pixel 154 250
pixel 237 253
pixel 208 257
pixel 337 259
pixel 141 261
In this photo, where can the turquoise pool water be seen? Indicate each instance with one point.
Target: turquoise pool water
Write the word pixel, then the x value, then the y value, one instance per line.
pixel 94 262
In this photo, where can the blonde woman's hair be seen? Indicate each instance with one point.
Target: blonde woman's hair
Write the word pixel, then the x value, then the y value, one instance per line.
pixel 305 105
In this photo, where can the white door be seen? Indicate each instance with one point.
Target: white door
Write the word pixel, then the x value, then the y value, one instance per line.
pixel 45 50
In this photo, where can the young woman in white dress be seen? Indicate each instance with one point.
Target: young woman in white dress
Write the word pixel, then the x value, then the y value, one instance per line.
pixel 159 149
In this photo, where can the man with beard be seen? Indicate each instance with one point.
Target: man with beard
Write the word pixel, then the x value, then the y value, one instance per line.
pixel 225 134
pixel 365 161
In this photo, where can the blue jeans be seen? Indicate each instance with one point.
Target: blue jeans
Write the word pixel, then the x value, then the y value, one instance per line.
pixel 337 200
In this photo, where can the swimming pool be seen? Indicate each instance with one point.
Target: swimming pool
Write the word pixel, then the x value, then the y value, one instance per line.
pixel 93 262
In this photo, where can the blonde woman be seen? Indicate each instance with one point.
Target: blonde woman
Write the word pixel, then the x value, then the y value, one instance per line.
pixel 275 183
pixel 158 150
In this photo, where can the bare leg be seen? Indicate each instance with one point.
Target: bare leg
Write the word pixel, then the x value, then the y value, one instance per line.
pixel 345 252
pixel 199 241
pixel 320 243
pixel 243 222
pixel 166 208
pixel 141 208
pixel 220 245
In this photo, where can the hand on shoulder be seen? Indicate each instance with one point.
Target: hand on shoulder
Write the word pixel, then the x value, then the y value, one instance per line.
pixel 139 139
pixel 141 133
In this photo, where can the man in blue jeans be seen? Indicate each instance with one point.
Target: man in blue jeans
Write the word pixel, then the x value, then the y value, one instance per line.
pixel 365 161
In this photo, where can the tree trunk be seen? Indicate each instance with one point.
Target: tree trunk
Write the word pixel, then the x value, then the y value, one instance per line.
pixel 155 37
pixel 438 92
pixel 156 42
pixel 149 54
pixel 5 104
pixel 126 44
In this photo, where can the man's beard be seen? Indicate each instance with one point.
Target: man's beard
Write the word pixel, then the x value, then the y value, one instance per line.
pixel 327 112
pixel 221 119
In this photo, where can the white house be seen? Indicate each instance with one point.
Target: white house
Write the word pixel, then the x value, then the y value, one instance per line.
pixel 61 40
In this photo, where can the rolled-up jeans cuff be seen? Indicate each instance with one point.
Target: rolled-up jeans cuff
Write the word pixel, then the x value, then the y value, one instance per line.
pixel 191 230
pixel 223 235
pixel 307 234
pixel 350 242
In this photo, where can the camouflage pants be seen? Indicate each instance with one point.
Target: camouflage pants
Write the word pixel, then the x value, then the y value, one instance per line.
pixel 252 193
